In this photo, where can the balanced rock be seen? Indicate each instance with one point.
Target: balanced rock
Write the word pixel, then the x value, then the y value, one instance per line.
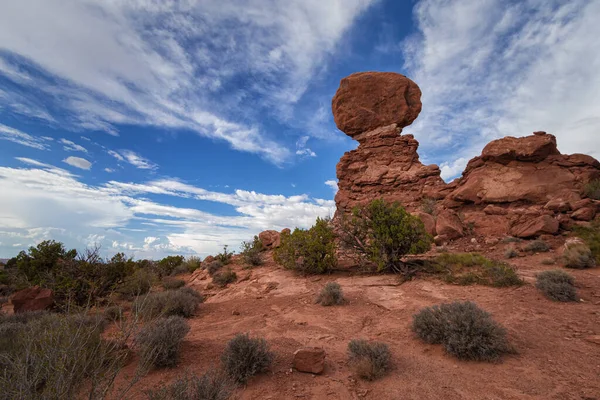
pixel 32 299
pixel 270 239
pixel 309 359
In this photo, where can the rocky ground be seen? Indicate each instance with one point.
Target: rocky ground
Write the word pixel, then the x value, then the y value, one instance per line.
pixel 558 344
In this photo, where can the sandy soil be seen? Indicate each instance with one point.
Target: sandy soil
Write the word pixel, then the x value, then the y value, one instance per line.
pixel 556 357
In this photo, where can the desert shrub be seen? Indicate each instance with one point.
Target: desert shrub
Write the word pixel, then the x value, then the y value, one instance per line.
pixel 309 251
pixel 592 189
pixel 511 252
pixel 137 284
pixel 180 269
pixel 51 356
pixel 548 261
pixel 192 263
pixel 172 302
pixel 225 256
pixel 113 313
pixel 252 252
pixel 473 268
pixel 383 233
pixel 578 256
pixel 428 205
pixel 245 357
pixel 172 284
pixel 42 259
pixel 557 285
pixel 192 292
pixel 331 294
pixel 159 342
pixel 537 246
pixel 591 236
pixel 224 278
pixel 465 331
pixel 167 265
pixel 213 385
pixel 511 239
pixel 214 267
pixel 371 360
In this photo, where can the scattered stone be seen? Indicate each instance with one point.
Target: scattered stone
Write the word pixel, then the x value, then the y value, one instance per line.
pixel 309 359
pixel 235 312
pixel 32 299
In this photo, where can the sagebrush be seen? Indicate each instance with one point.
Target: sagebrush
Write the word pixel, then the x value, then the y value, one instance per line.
pixel 252 252
pixel 213 385
pixel 557 285
pixel 179 302
pixel 330 295
pixel 159 342
pixel 245 357
pixel 370 360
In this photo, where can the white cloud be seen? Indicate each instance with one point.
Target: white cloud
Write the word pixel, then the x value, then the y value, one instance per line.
pixel 71 146
pixel 301 148
pixel 25 139
pixel 453 169
pixel 78 162
pixel 109 170
pixel 333 185
pixel 133 158
pixel 492 68
pixel 173 64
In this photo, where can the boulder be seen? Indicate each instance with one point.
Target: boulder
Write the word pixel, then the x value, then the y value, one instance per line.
pixel 428 221
pixel 270 239
pixel 448 225
pixel 584 214
pixel 495 210
pixel 208 259
pixel 309 359
pixel 369 100
pixel 32 299
pixel 528 227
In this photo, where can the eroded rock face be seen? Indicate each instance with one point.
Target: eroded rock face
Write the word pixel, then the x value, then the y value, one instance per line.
pixel 369 100
pixel 32 299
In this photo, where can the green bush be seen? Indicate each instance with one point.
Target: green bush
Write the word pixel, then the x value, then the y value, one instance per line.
pixel 465 331
pixel 167 265
pixel 213 385
pixel 160 341
pixel 578 256
pixel 383 233
pixel 309 251
pixel 172 284
pixel 137 284
pixel 225 256
pixel 557 285
pixel 178 302
pixel 330 295
pixel 245 357
pixel 591 236
pixel 224 278
pixel 42 260
pixel 473 268
pixel 192 263
pixel 537 246
pixel 371 360
pixel 592 189
pixel 252 252
pixel 214 267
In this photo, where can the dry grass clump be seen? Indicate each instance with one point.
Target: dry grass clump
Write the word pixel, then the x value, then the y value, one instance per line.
pixel 473 268
pixel 180 302
pixel 557 285
pixel 214 267
pixel 213 385
pixel 172 284
pixel 370 360
pixel 537 246
pixel 578 257
pixel 330 295
pixel 511 252
pixel 159 342
pixel 465 331
pixel 245 357
pixel 224 278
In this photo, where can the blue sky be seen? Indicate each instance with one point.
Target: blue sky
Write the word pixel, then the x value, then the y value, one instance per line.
pixel 156 128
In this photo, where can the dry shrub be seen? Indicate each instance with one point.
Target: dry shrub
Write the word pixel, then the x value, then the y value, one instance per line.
pixel 113 313
pixel 137 284
pixel 370 360
pixel 330 295
pixel 557 285
pixel 214 267
pixel 592 189
pixel 213 385
pixel 159 342
pixel 578 257
pixel 474 268
pixel 511 252
pixel 162 304
pixel 245 357
pixel 465 331
pixel 172 284
pixel 252 252
pixel 224 278
pixel 537 246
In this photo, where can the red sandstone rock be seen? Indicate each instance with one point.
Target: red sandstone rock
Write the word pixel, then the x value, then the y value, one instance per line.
pixel 32 299
pixel 369 100
pixel 309 359
pixel 270 239
pixel 494 210
pixel 584 214
pixel 208 259
pixel 428 221
pixel 528 227
pixel 449 225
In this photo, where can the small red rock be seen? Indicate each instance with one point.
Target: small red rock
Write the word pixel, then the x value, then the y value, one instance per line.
pixel 309 359
pixel 32 299
pixel 584 214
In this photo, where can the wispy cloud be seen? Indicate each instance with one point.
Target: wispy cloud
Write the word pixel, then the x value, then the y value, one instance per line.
pixel 71 146
pixel 78 162
pixel 333 185
pixel 173 64
pixel 25 139
pixel 133 158
pixel 494 68
pixel 302 149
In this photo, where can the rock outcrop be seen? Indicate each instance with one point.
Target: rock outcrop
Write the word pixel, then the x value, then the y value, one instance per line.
pixel 519 186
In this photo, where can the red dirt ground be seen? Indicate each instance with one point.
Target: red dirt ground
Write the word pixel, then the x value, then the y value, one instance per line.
pixel 556 357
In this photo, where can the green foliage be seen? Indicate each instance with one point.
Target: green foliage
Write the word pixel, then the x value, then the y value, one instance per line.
pixel 224 278
pixel 192 263
pixel 172 284
pixel 213 385
pixel 537 246
pixel 591 236
pixel 473 268
pixel 557 285
pixel 578 256
pixel 42 260
pixel 225 256
pixel 137 284
pixel 168 264
pixel 465 331
pixel 383 233
pixel 592 189
pixel 160 341
pixel 330 295
pixel 309 251
pixel 178 302
pixel 371 360
pixel 245 357
pixel 252 252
